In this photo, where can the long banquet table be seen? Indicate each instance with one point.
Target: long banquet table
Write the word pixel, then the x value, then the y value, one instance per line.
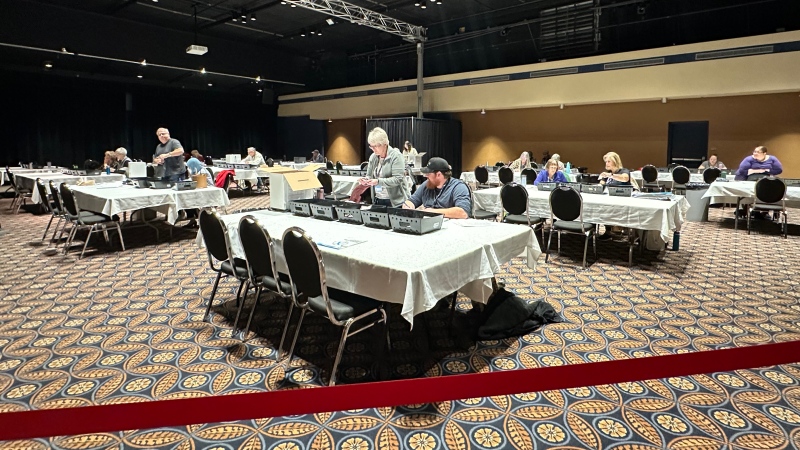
pixel 415 271
pixel 114 199
pixel 630 212
pixel 28 180
pixel 732 191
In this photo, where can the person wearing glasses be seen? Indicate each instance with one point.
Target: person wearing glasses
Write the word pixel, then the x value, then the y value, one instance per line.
pixel 169 153
pixel 615 174
pixel 550 174
pixel 441 193
pixel 712 162
pixel 758 165
pixel 385 171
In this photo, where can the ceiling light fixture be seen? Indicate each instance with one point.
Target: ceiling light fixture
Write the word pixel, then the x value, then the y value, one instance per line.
pixel 663 99
pixel 258 79
pixel 64 50
pixel 260 90
pixel 561 107
pixel 330 120
pixel 253 17
pixel 210 84
pixel 293 5
pixel 139 76
pixel 303 33
pixel 203 70
pixel 319 33
pixel 423 4
pixel 48 64
pixel 313 32
pixel 283 3
pixel 244 15
pixel 416 3
pixel 144 62
pixel 483 111
pixel 438 2
pixel 329 21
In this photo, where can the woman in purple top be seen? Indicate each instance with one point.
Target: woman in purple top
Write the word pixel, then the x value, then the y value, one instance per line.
pixel 550 174
pixel 759 165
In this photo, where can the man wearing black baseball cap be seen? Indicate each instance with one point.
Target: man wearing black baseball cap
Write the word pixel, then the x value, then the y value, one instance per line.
pixel 441 193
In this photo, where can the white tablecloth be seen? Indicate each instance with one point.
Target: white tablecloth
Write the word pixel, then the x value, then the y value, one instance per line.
pixel 250 175
pixel 343 184
pixel 28 180
pixel 114 199
pixel 731 191
pixel 469 177
pixel 415 271
pixel 666 177
pixel 20 170
pixel 629 212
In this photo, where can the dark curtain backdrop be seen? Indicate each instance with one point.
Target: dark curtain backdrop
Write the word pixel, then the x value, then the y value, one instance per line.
pixel 435 137
pixel 66 121
pixel 298 136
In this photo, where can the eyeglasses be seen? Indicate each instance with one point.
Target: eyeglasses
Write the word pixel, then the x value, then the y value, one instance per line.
pixel 163 134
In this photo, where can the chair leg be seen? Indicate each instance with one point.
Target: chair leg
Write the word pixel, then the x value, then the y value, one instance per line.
pixel 547 249
pixel 747 211
pixel 121 241
pixel 296 334
pixel 241 305
pixel 594 242
pixel 88 238
pixel 239 291
pixel 559 243
pixel 339 351
pixel 785 226
pixel 285 328
pixel 736 213
pixel 72 232
pixel 250 317
pixel 50 222
pixel 386 327
pixel 55 229
pixel 452 311
pixel 213 292
pixel 585 249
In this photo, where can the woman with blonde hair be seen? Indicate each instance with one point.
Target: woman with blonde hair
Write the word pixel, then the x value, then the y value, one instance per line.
pixel 523 162
pixel 615 174
pixel 110 161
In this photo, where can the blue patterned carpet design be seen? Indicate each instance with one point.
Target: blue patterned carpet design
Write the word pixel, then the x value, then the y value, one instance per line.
pixel 119 327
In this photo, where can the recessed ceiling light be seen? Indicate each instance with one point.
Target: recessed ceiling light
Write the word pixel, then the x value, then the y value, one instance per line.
pixel 210 84
pixel 48 64
pixel 329 21
pixel 139 76
pixel 203 70
pixel 144 62
pixel 260 90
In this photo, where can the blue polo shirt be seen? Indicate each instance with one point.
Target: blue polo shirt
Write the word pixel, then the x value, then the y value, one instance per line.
pixel 453 193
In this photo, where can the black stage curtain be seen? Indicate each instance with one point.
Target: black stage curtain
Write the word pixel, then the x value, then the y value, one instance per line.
pixel 435 137
pixel 66 121
pixel 298 136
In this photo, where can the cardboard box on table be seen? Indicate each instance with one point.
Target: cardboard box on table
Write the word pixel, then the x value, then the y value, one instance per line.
pixel 286 184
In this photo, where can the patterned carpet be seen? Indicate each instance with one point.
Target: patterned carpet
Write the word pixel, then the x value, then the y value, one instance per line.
pixel 127 327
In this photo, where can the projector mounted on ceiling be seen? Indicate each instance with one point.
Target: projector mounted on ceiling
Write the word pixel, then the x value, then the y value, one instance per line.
pixel 196 49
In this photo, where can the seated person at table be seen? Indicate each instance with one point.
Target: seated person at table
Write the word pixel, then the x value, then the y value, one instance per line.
pixel 759 165
pixel 557 158
pixel 110 161
pixel 441 193
pixel 253 157
pixel 196 166
pixel 615 174
pixel 712 161
pixel 122 157
pixel 408 150
pixel 551 174
pixel 523 162
pixel 385 171
pixel 316 157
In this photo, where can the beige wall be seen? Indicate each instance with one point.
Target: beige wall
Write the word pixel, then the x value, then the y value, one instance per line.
pixel 637 131
pixel 345 141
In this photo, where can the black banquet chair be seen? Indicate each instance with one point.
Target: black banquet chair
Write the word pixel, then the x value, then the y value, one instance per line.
pixel 505 175
pixel 711 174
pixel 482 177
pixel 262 271
pixel 326 181
pixel 566 213
pixel 680 176
pixel 650 179
pixel 343 309
pixel 215 237
pixel 477 213
pixel 770 198
pixel 529 174
pixel 84 219
pixel 514 198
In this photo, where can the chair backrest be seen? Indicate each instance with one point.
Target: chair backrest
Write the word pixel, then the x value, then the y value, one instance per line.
pixel 215 235
pixel 270 162
pixel 211 172
pixel 481 174
pixel 681 175
pixel 671 166
pixel 566 204
pixel 68 199
pixel 505 175
pixel 338 165
pixel 514 198
pixel 770 190
pixel 208 160
pixel 649 173
pixel 55 195
pixel 43 194
pixel 306 268
pixel 329 165
pixel 364 165
pixel 326 181
pixel 151 171
pixel 472 201
pixel 529 174
pixel 711 174
pixel 499 164
pixel 259 249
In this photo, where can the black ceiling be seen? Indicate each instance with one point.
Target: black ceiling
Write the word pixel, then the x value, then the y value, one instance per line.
pixel 463 35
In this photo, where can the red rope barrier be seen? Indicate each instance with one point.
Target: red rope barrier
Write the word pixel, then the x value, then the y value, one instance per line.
pixel 171 413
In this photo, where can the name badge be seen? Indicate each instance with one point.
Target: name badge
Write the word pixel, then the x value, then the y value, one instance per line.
pixel 378 189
